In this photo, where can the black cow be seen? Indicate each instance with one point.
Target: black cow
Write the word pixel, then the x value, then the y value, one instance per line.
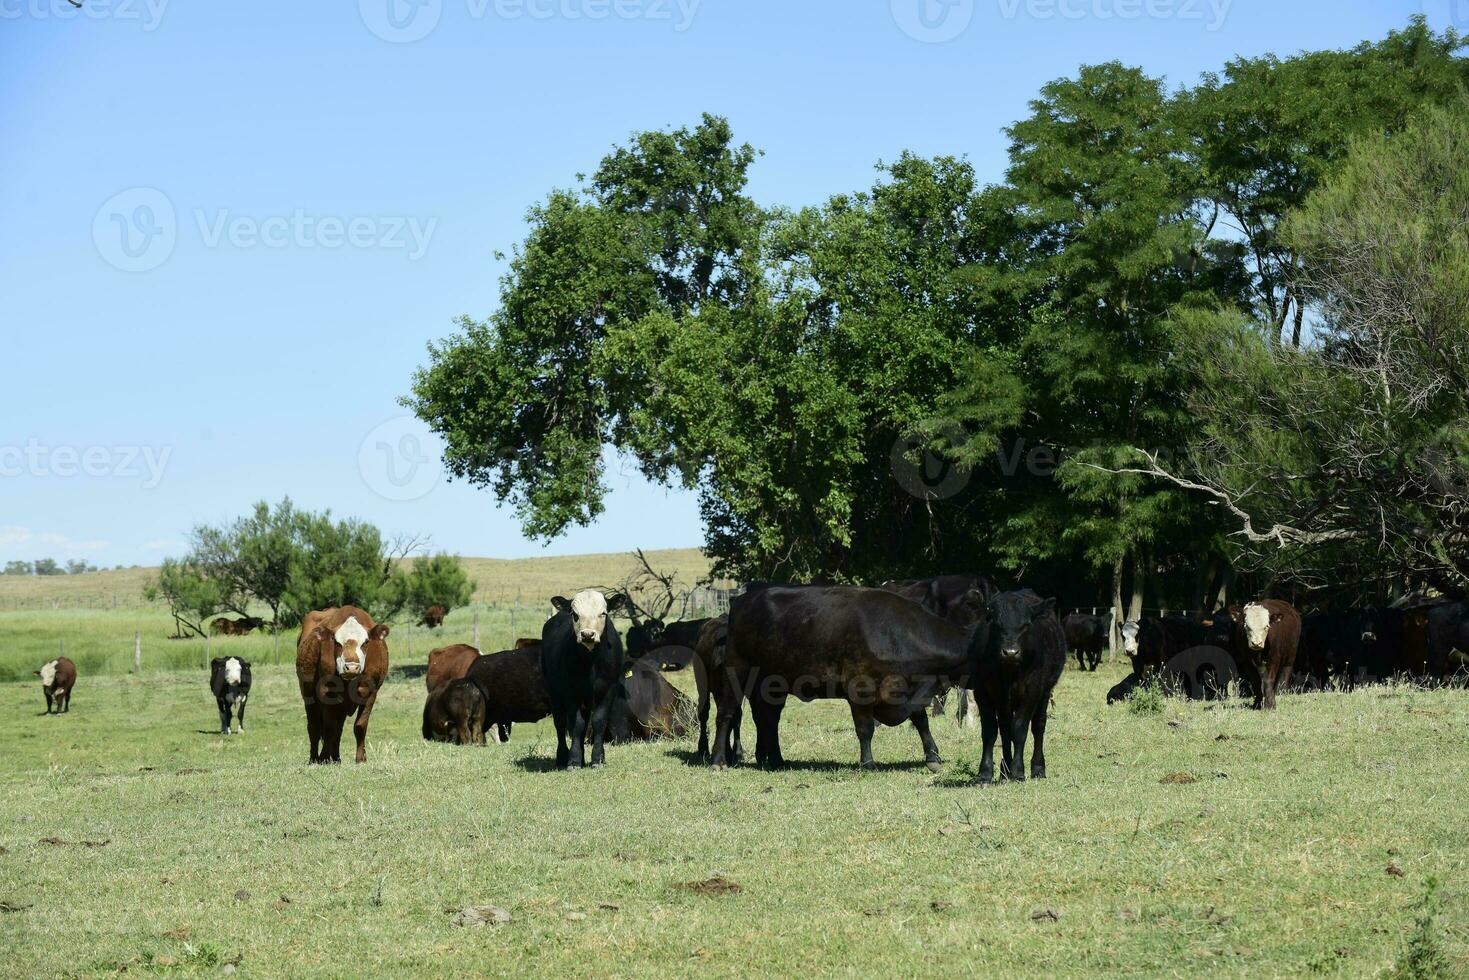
pixel 709 657
pixel 514 688
pixel 455 713
pixel 1448 641
pixel 646 706
pixel 961 600
pixel 581 655
pixel 1339 648
pixel 1019 655
pixel 1154 646
pixel 884 655
pixel 229 679
pixel 1086 635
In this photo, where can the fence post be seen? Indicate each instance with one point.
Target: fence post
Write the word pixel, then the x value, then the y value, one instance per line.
pixel 138 652
pixel 276 657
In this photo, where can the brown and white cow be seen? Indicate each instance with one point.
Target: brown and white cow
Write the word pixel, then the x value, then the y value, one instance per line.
pixel 1267 634
pixel 57 679
pixel 341 664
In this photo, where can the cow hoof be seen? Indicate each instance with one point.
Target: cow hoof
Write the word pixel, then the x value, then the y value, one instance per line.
pixel 935 765
pixel 718 766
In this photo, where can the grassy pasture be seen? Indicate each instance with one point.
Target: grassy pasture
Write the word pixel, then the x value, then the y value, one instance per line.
pixel 1199 840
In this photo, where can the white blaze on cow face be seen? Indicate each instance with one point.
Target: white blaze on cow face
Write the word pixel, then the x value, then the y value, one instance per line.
pixel 48 675
pixel 1257 625
pixel 1129 638
pixel 232 670
pixel 351 636
pixel 589 616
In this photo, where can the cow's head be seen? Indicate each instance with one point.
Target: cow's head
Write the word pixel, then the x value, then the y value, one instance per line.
pixel 48 674
pixel 1258 620
pixel 589 611
pixel 1010 619
pixel 1130 631
pixel 233 670
pixel 352 641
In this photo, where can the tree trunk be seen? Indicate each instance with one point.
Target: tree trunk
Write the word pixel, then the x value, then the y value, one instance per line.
pixel 1226 586
pixel 1139 585
pixel 1115 638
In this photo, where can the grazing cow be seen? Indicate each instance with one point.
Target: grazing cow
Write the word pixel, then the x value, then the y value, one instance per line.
pixel 341 664
pixel 709 656
pixel 433 617
pixel 885 655
pixel 647 706
pixel 248 625
pixel 1018 658
pixel 455 713
pixel 1267 635
pixel 1086 635
pixel 448 664
pixel 229 679
pixel 58 677
pixel 514 688
pixel 581 654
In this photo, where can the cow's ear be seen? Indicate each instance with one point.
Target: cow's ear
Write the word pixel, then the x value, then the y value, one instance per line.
pixel 560 603
pixel 615 602
pixel 1046 607
pixel 380 632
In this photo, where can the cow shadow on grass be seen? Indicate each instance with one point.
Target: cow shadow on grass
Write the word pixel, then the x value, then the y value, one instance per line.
pixel 536 763
pixel 691 758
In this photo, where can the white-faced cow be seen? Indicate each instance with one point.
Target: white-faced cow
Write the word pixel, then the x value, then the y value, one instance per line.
pixel 1267 634
pixel 58 677
pixel 341 663
pixel 581 656
pixel 229 679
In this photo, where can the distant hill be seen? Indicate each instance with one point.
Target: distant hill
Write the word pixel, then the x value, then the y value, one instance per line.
pixel 497 580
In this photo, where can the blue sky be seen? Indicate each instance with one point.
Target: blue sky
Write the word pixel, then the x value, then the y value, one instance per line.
pixel 229 229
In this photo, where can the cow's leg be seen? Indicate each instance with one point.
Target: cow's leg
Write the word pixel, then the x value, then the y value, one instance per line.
pixel 359 727
pixel 563 755
pixel 1038 732
pixel 931 757
pixel 940 700
pixel 737 750
pixel 1015 761
pixel 240 712
pixel 224 715
pixel 703 709
pixel 766 712
pixel 862 720
pixel 600 716
pixel 579 738
pixel 989 728
pixel 1095 658
pixel 727 704
pixel 48 700
pixel 965 715
pixel 336 720
pixel 313 730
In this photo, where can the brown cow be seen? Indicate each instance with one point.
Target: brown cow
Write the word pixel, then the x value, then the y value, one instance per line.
pixel 448 664
pixel 1267 634
pixel 527 641
pixel 341 663
pixel 57 679
pixel 433 617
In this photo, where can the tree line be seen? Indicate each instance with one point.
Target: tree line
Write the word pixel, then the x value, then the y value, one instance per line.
pixel 1191 336
pixel 291 561
pixel 49 566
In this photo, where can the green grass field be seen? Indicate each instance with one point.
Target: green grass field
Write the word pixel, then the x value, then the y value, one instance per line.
pixel 1198 840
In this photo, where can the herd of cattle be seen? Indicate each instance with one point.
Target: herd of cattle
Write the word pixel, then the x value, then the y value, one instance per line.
pixel 890 652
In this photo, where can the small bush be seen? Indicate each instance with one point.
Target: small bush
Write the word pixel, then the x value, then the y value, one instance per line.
pixel 1146 699
pixel 1424 958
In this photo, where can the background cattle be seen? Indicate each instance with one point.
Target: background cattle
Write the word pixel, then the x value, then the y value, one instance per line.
pixel 341 664
pixel 229 679
pixel 527 641
pixel 1448 641
pixel 1019 656
pixel 885 655
pixel 1155 647
pixel 448 664
pixel 514 688
pixel 582 658
pixel 433 617
pixel 647 707
pixel 1267 634
pixel 1086 636
pixel 961 600
pixel 58 677
pixel 456 713
pixel 672 645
